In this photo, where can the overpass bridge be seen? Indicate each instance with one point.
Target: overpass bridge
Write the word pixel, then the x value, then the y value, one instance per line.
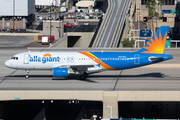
pixel 109 98
pixel 113 25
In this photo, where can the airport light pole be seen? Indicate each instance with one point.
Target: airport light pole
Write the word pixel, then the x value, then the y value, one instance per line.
pixel 59 16
pixel 50 20
pixel 13 13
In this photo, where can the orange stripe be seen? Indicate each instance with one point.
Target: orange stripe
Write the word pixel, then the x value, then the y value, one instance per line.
pixel 98 61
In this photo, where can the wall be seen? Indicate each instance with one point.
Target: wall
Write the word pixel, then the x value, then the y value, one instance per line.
pixel 17 23
pixel 46 2
pixel 109 98
pixel 6 7
pixel 84 40
pixel 31 6
pixel 54 30
pixel 22 7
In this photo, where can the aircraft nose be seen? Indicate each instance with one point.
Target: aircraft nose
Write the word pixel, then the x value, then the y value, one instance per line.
pixel 7 63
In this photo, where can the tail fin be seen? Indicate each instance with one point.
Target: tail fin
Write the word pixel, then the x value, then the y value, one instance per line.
pixel 157 43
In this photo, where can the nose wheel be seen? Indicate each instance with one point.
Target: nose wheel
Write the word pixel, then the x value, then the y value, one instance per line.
pixel 27 74
pixel 83 76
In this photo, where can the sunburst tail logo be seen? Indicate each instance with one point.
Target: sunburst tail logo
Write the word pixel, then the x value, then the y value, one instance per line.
pixel 157 43
pixel 47 55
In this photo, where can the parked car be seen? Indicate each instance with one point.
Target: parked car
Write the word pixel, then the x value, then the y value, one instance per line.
pixel 67 24
pixel 79 17
pixel 2 30
pixel 10 30
pixel 86 23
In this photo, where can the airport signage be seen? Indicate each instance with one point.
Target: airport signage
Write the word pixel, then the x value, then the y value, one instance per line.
pixel 17 98
pixel 145 33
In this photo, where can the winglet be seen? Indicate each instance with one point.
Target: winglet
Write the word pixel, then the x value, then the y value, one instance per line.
pixel 157 43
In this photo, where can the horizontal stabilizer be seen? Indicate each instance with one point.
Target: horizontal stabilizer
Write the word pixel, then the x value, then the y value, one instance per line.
pixel 154 59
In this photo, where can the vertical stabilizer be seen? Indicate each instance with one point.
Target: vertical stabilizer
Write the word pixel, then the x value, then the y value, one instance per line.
pixel 157 43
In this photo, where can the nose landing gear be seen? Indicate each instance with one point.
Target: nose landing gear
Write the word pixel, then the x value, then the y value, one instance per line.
pixel 27 74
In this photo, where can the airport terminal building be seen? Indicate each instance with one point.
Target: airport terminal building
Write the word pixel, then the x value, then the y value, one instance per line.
pixel 15 14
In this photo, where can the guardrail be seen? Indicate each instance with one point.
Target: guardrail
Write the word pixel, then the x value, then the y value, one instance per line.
pixel 139 41
pixel 176 41
pixel 60 40
pixel 135 44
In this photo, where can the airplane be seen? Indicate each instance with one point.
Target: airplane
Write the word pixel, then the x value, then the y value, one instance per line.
pixel 63 64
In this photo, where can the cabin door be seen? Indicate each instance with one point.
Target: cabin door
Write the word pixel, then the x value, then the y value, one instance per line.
pixel 26 59
pixel 136 59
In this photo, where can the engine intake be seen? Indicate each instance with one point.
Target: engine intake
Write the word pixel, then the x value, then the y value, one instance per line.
pixel 60 72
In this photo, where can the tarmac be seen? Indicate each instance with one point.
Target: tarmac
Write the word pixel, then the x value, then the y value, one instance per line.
pixel 162 76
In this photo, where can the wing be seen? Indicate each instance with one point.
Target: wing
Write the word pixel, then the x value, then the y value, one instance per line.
pixel 79 67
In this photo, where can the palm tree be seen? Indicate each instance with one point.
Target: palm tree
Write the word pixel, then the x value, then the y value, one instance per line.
pixel 161 2
pixel 151 10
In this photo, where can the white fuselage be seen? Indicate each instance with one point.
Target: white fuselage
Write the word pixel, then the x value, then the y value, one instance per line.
pixel 48 61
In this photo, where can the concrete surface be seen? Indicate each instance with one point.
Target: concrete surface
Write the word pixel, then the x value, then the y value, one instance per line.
pixel 161 76
pixel 159 82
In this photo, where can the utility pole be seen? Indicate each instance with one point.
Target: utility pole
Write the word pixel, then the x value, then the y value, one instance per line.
pixel 55 8
pixel 13 13
pixel 59 16
pixel 50 21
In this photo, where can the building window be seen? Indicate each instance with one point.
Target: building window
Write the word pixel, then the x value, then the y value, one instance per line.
pixel 177 19
pixel 166 2
pixel 169 2
pixel 164 19
pixel 175 30
pixel 143 2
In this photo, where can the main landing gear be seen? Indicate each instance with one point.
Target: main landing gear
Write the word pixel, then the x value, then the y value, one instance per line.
pixel 27 74
pixel 83 76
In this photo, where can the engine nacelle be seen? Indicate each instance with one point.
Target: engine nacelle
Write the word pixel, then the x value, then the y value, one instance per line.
pixel 60 72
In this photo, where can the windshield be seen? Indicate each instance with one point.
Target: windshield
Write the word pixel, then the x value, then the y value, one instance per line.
pixel 14 58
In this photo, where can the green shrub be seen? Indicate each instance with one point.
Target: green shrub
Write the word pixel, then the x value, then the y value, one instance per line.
pixel 127 43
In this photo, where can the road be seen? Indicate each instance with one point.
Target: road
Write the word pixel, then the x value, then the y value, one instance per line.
pixel 81 28
pixel 143 78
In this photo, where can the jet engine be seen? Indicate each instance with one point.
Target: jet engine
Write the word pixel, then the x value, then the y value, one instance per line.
pixel 60 72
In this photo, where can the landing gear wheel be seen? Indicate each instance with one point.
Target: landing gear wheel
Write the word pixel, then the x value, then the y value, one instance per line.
pixel 84 76
pixel 27 74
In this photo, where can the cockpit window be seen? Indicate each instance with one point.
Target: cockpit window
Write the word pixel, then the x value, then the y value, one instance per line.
pixel 14 58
